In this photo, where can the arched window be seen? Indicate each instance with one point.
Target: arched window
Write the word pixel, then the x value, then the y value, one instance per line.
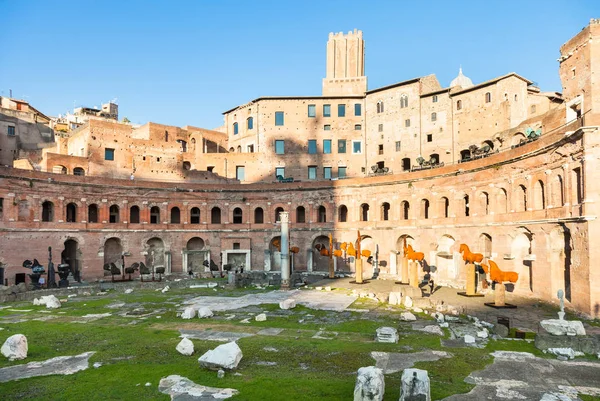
pixel 78 171
pixel 364 212
pixel 175 215
pixel 434 116
pixel 465 154
pixel 484 203
pixel 558 193
pixel 215 215
pixel 521 198
pixel 538 195
pixel 232 150
pixel 322 214
pixel 406 164
pixel 485 245
pixel 488 97
pixel 235 128
pixel 300 214
pixel 343 214
pixel 445 204
pixel 193 142
pixel 47 211
pixel 259 215
pixel 239 149
pixel 501 201
pixel 249 123
pixel 166 136
pixel 278 214
pixel 134 214
pixel 434 158
pixel 424 208
pixel 195 215
pixel 467 205
pixel 403 101
pixel 405 210
pixel 154 215
pixel 458 104
pixel 113 214
pixel 380 106
pixel 59 170
pixel 238 215
pixel 92 213
pixel 71 213
pixel 385 211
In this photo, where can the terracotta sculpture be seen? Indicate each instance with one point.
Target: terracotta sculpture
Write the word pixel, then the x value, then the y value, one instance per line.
pixel 468 256
pixel 412 255
pixel 499 276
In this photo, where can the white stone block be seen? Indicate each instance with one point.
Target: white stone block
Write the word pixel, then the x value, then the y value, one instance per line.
pixel 287 304
pixel 559 327
pixel 226 356
pixel 408 302
pixel 15 347
pixel 469 339
pixel 204 311
pixel 185 347
pixel 387 335
pixel 261 318
pixel 415 385
pixel 370 384
pixel 407 316
pixel 188 313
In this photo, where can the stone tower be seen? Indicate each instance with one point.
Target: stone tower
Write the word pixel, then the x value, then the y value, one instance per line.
pixel 345 65
pixel 579 62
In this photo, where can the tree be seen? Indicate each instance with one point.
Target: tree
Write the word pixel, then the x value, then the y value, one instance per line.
pixel 125 120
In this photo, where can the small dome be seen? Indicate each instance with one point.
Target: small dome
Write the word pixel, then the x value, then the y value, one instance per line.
pixel 461 80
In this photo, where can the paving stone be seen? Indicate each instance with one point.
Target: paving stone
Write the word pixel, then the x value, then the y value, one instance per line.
pixel 270 332
pixel 183 389
pixel 392 362
pixel 210 335
pixel 61 365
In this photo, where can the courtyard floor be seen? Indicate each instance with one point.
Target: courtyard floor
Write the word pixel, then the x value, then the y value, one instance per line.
pixel 121 345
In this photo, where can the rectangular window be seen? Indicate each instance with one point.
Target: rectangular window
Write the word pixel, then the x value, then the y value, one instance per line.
pixel 380 127
pixel 11 130
pixel 279 118
pixel 109 154
pixel 235 128
pixel 250 123
pixel 327 173
pixel 357 127
pixel 341 172
pixel 356 147
pixel 407 123
pixel 429 137
pixel 327 127
pixel 341 110
pixel 312 110
pixel 326 110
pixel 279 147
pixel 341 146
pixel 326 145
pixel 250 149
pixel 279 172
pixel 312 146
pixel 380 149
pixel 312 172
pixel 397 146
pixel 240 173
pixel 434 99
pixel 357 109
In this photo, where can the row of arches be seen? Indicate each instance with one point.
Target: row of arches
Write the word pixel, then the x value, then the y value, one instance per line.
pixel 59 169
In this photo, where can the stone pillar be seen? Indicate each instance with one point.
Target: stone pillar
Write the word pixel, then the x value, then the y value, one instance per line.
pixel 285 249
pixel 414 274
pixel 470 279
pixel 499 295
pixel 405 278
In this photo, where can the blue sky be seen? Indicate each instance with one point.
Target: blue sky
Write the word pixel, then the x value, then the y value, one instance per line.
pixel 185 62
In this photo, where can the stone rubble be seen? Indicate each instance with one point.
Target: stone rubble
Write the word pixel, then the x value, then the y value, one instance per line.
pixel 387 335
pixel 182 388
pixel 407 316
pixel 204 312
pixel 185 347
pixel 559 327
pixel 370 384
pixel 15 347
pixel 287 304
pixel 261 317
pixel 415 385
pixel 189 312
pixel 226 356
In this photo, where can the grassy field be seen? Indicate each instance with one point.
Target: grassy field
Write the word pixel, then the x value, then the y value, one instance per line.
pixel 136 345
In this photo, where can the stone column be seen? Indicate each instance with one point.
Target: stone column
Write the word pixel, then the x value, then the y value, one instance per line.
pixel 405 278
pixel 285 249
pixel 414 274
pixel 359 270
pixel 499 294
pixel 470 279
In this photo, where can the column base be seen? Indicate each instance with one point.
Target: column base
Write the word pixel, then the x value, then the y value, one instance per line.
pixel 363 282
pixel 505 306
pixel 464 294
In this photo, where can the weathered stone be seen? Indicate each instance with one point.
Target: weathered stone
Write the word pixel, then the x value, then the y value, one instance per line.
pixel 370 384
pixel 415 385
pixel 129 291
pixel 439 317
pixel 501 330
pixel 188 313
pixel 226 356
pixel 393 362
pixel 433 329
pixel 566 352
pixel 185 347
pixel 166 289
pixel 395 298
pixel 559 327
pixel 61 365
pixel 220 373
pixel 408 302
pixel 407 316
pixel 387 335
pixel 469 339
pixel 261 317
pixel 15 347
pixel 585 344
pixel 482 334
pixel 418 310
pixel 204 311
pixel 287 304
pixel 182 388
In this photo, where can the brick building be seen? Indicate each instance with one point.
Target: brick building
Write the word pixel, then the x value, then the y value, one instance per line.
pixel 501 166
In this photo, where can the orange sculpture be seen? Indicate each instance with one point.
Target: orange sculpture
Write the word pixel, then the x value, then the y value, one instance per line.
pixel 498 275
pixel 277 245
pixel 412 255
pixel 468 256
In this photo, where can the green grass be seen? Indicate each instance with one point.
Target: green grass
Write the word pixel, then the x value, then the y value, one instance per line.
pixel 307 368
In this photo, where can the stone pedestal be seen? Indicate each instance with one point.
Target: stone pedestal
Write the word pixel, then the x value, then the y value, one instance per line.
pixel 405 278
pixel 331 268
pixel 500 295
pixel 285 249
pixel 470 279
pixel 414 274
